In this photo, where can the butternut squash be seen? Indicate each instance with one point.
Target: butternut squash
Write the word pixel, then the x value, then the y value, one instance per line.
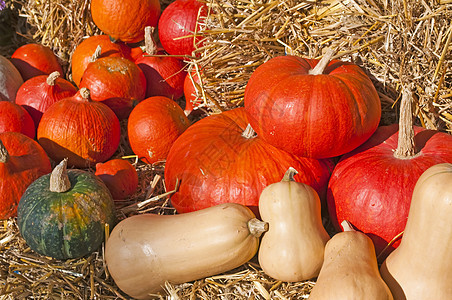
pixel 145 251
pixel 292 248
pixel 350 269
pixel 421 267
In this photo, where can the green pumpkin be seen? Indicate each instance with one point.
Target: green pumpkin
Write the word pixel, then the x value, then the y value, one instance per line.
pixel 63 214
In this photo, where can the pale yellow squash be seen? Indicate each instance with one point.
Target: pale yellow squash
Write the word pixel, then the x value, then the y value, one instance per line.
pixel 292 248
pixel 145 251
pixel 350 269
pixel 421 267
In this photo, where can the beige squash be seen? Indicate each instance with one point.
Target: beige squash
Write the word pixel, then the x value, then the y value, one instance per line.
pixel 145 251
pixel 292 248
pixel 10 80
pixel 421 267
pixel 350 269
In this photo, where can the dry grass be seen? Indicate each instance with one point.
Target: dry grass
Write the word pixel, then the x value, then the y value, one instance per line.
pixel 398 43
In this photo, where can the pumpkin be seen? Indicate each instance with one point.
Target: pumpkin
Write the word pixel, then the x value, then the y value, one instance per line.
pixel 350 269
pixel 115 81
pixel 125 20
pixel 421 267
pixel 84 52
pixel 35 59
pixel 219 159
pixel 10 80
pixel 63 214
pixel 84 131
pixel 192 91
pixel 14 117
pixel 119 176
pixel 312 108
pixel 22 161
pixel 178 26
pixel 164 74
pixel 153 126
pixel 39 92
pixel 144 251
pixel 372 186
pixel 292 249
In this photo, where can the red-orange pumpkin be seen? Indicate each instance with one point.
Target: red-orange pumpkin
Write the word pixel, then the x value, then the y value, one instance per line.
pixel 216 160
pixel 153 126
pixel 125 20
pixel 84 131
pixel 84 52
pixel 14 117
pixel 321 112
pixel 22 161
pixel 115 81
pixel 35 59
pixel 192 92
pixel 119 176
pixel 39 92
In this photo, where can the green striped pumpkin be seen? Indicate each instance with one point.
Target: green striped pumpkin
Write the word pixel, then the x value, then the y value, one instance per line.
pixel 63 214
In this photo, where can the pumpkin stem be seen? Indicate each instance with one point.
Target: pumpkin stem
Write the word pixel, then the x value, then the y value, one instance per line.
pixel 84 93
pixel 149 42
pixel 289 175
pixel 347 226
pixel 405 144
pixel 249 132
pixel 4 155
pixel 59 180
pixel 321 65
pixel 96 54
pixel 257 227
pixel 52 77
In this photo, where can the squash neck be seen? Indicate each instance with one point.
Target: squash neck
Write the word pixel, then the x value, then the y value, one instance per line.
pixel 406 147
pixel 59 179
pixel 4 155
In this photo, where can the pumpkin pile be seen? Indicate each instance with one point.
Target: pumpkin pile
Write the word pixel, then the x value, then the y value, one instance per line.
pixel 302 178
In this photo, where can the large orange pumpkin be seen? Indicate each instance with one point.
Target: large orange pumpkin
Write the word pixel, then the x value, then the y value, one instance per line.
pixel 217 160
pixel 14 117
pixel 125 20
pixel 22 161
pixel 84 131
pixel 321 112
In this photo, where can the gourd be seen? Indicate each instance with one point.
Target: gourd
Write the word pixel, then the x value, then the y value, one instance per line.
pixel 85 51
pixel 125 20
pixel 120 177
pixel 220 159
pixel 421 267
pixel 350 269
pixel 312 108
pixel 37 94
pixel 22 161
pixel 14 117
pixel 372 186
pixel 153 126
pixel 144 251
pixel 115 81
pixel 292 249
pixel 35 59
pixel 84 131
pixel 10 80
pixel 178 26
pixel 164 74
pixel 63 214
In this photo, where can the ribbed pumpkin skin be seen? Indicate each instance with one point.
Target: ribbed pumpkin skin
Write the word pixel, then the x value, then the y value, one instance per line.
pixel 216 164
pixel 372 188
pixel 36 95
pixel 190 91
pixel 179 19
pixel 27 162
pixel 117 82
pixel 35 59
pixel 84 131
pixel 14 117
pixel 69 224
pixel 125 20
pixel 312 115
pixel 10 80
pixel 85 50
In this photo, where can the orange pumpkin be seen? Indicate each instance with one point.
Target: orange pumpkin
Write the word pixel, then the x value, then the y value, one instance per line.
pixel 119 176
pixel 14 117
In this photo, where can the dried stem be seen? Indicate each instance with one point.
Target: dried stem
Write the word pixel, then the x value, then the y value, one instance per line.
pixel 4 155
pixel 249 132
pixel 52 77
pixel 289 175
pixel 406 147
pixel 59 180
pixel 323 63
pixel 149 43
